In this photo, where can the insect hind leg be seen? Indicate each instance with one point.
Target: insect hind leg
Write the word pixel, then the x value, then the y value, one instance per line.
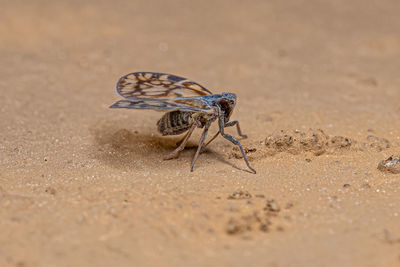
pixel 183 138
pixel 175 154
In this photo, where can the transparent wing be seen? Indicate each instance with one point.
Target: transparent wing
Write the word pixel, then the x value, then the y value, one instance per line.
pixel 146 85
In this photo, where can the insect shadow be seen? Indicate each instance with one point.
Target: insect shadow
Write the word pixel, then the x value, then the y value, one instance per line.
pixel 128 149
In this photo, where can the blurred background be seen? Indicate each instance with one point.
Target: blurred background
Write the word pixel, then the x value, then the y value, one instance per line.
pixel 313 55
pixel 69 165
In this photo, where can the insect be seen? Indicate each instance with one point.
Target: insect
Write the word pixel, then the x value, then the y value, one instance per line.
pixel 188 104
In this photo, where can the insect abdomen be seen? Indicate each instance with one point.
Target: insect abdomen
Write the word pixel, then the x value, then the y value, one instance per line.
pixel 174 122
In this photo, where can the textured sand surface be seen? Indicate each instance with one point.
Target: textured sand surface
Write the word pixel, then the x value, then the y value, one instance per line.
pixel 318 90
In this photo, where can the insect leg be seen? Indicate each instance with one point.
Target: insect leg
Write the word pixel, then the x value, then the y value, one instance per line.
pixel 234 141
pixel 212 139
pixel 174 154
pixel 183 139
pixel 233 123
pixel 203 137
pixel 229 124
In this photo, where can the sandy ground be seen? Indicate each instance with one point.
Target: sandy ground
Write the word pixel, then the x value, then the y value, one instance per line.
pixel 318 90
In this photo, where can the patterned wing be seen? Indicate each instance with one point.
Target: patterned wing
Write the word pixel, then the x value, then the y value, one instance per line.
pixel 139 85
pixel 184 104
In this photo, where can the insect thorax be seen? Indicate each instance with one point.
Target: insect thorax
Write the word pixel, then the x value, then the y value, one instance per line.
pixel 174 122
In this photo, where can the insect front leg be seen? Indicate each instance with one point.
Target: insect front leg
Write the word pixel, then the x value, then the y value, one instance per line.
pixel 174 154
pixel 233 123
pixel 234 141
pixel 203 137
pixel 229 124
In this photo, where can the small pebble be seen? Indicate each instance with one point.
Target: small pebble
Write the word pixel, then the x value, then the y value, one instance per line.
pixel 272 206
pixel 390 165
pixel 240 195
